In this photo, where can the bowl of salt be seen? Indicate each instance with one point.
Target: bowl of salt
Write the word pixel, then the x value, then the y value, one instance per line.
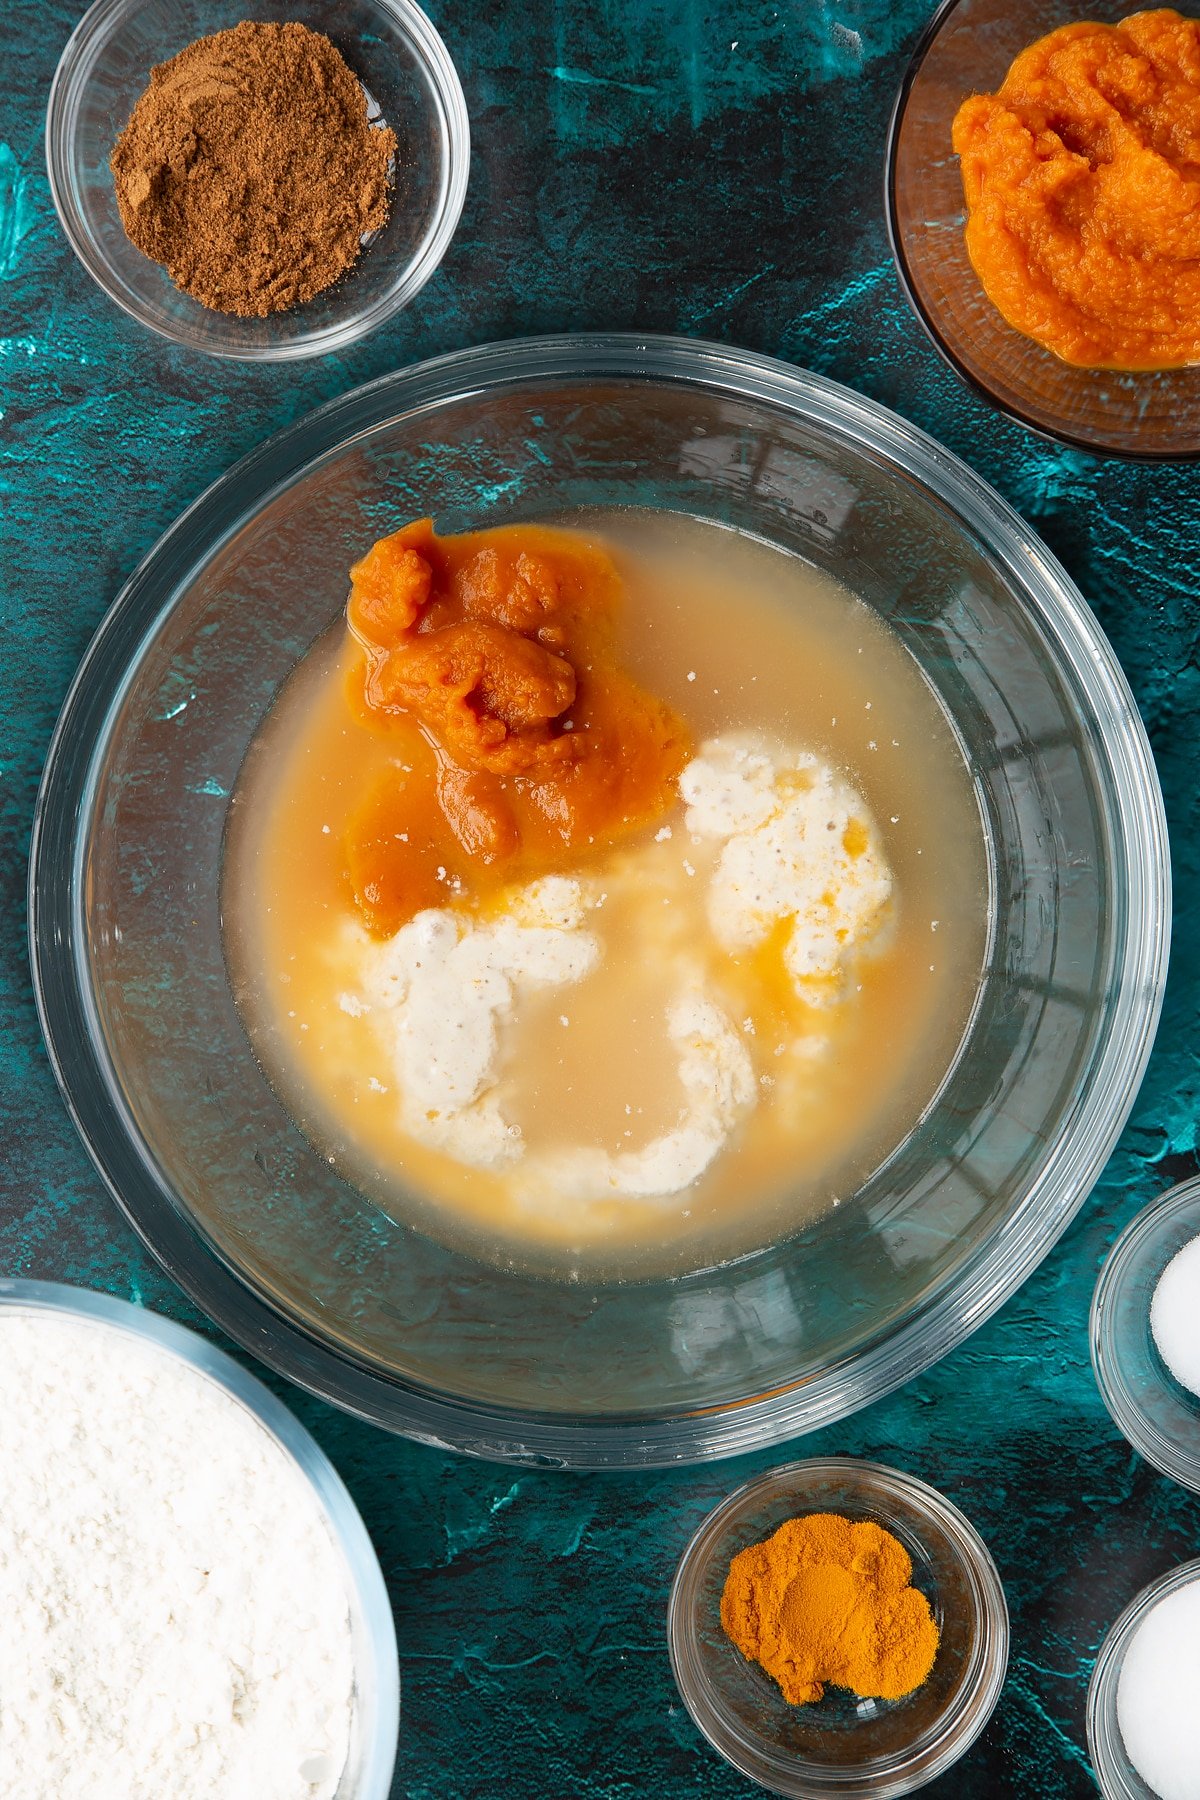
pixel 1142 1724
pixel 1145 1334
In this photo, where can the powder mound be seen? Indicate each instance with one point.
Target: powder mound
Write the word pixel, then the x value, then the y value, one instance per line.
pixel 176 1623
pixel 1156 1696
pixel 1174 1309
pixel 829 1600
pixel 249 170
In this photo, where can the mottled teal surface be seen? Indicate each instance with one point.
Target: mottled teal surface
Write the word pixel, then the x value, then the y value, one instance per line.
pixel 657 165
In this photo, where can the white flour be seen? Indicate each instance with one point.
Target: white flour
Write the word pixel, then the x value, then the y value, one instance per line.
pixel 173 1617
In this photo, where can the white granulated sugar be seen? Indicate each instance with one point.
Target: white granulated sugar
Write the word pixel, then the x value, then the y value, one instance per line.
pixel 1156 1696
pixel 441 987
pixel 798 845
pixel 1175 1316
pixel 174 1623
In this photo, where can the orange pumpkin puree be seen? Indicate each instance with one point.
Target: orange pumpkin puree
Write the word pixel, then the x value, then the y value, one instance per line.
pixel 1082 182
pixel 522 745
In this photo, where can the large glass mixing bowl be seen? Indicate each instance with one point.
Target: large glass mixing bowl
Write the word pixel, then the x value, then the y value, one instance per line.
pixel 252 1220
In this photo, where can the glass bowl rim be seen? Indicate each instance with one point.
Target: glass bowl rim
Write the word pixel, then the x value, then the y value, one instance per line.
pixel 67 86
pixel 1161 1453
pixel 972 1709
pixel 1101 1705
pixel 929 34
pixel 1035 1222
pixel 329 1492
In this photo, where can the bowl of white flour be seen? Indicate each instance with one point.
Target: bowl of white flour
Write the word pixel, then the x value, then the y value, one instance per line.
pixel 191 1602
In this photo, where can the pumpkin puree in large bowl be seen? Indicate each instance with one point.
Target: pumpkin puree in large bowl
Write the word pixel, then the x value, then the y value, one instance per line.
pixel 537 749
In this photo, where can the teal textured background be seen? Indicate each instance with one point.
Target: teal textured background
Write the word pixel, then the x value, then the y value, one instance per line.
pixel 652 165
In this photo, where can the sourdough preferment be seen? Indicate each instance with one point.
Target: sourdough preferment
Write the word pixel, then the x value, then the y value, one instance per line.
pixel 606 895
pixel 249 168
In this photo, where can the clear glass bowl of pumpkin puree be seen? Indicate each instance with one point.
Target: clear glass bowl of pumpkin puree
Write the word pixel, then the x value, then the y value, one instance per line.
pixel 840 1744
pixel 967 48
pixel 738 1317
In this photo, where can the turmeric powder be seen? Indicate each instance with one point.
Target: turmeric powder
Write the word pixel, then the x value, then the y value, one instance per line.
pixel 828 1600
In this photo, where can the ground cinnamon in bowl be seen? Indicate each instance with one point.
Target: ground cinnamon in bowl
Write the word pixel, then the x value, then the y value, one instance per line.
pixel 250 170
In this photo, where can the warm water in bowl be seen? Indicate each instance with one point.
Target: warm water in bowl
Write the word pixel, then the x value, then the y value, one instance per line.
pixel 372 1310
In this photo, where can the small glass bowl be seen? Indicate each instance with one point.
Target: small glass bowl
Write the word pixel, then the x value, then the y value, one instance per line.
pixel 967 48
pixel 1116 1775
pixel 1160 1418
pixel 376 1717
pixel 841 1745
pixel 407 74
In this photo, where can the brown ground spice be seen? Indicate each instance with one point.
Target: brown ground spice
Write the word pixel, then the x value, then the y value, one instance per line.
pixel 249 170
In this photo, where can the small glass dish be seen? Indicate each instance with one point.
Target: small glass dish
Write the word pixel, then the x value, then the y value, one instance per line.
pixel 967 48
pixel 1160 1418
pixel 376 1715
pixel 1115 1774
pixel 407 74
pixel 840 1745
